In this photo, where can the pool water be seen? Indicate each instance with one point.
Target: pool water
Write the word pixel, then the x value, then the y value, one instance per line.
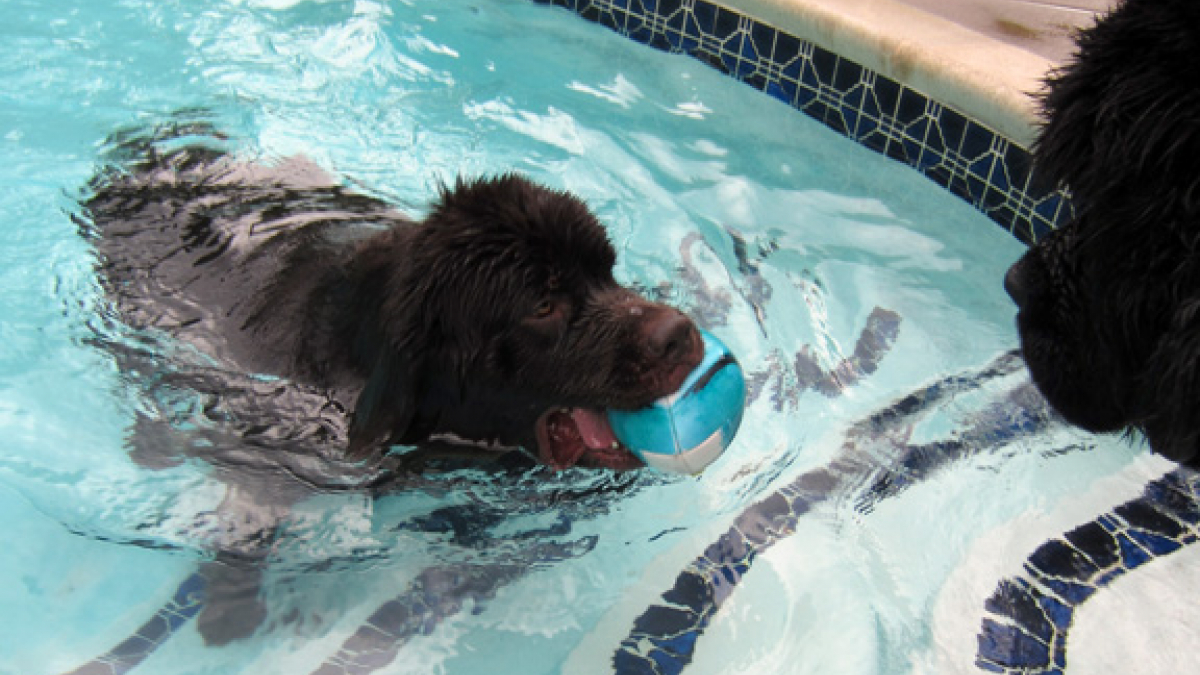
pixel 844 282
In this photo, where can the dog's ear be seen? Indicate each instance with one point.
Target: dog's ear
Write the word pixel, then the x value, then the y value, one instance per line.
pixel 386 406
pixel 386 343
pixel 1170 388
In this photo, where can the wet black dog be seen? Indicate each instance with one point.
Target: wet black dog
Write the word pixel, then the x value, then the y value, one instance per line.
pixel 495 320
pixel 1110 304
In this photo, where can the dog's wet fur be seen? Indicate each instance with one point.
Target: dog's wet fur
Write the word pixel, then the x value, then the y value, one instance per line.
pixel 493 321
pixel 1109 314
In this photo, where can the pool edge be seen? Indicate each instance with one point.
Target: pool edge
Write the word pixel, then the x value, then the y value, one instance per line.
pixel 984 78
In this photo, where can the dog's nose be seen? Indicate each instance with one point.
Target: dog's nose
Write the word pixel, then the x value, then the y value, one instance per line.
pixel 1014 282
pixel 671 337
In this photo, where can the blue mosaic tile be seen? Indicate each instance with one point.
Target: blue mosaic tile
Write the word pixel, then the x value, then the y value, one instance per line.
pixel 1155 544
pixel 968 159
pixel 188 600
pixel 1074 569
pixel 1008 644
pixel 1059 613
pixel 1061 555
pixel 1144 516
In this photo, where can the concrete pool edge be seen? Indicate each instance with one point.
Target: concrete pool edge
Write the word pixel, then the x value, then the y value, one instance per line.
pixel 985 79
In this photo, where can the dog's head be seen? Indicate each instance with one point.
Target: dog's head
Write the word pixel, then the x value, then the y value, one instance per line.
pixel 1109 321
pixel 501 321
pixel 1109 306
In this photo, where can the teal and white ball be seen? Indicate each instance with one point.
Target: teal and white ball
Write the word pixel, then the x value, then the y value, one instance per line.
pixel 688 430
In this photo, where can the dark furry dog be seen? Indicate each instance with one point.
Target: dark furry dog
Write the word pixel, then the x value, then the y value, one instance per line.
pixel 1110 304
pixel 495 320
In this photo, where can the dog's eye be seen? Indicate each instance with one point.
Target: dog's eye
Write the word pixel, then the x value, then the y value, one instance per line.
pixel 548 318
pixel 544 309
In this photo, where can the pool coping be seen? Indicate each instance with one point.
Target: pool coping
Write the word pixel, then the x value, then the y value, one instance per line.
pixel 931 123
pixel 985 79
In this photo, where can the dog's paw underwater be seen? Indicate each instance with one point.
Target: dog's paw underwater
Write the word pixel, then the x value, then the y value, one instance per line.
pixel 480 323
pixel 1110 303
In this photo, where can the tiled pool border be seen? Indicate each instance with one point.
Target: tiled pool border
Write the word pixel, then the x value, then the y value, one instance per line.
pixel 979 165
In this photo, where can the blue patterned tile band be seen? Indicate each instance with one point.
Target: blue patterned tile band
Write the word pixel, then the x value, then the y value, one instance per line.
pixel 973 162
pixel 1026 633
pixel 187 602
pixel 436 593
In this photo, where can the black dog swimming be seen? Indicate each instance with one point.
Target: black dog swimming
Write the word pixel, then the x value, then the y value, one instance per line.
pixel 290 331
pixel 1110 304
pixel 495 321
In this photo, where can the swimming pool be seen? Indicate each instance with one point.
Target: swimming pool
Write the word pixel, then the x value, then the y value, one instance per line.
pixel 893 468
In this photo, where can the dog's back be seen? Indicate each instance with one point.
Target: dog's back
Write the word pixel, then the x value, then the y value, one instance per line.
pixel 213 263
pixel 226 255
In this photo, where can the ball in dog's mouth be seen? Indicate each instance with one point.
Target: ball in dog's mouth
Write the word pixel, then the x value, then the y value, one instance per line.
pixel 583 436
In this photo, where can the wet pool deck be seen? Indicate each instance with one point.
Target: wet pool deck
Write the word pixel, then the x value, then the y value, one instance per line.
pixel 982 57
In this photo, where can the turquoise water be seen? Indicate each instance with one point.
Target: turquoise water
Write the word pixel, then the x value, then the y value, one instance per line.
pixel 777 234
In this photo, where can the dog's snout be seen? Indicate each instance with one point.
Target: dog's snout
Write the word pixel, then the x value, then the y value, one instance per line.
pixel 1015 283
pixel 671 336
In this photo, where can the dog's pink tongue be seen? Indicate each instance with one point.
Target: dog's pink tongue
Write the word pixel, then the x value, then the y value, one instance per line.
pixel 594 428
pixel 565 436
